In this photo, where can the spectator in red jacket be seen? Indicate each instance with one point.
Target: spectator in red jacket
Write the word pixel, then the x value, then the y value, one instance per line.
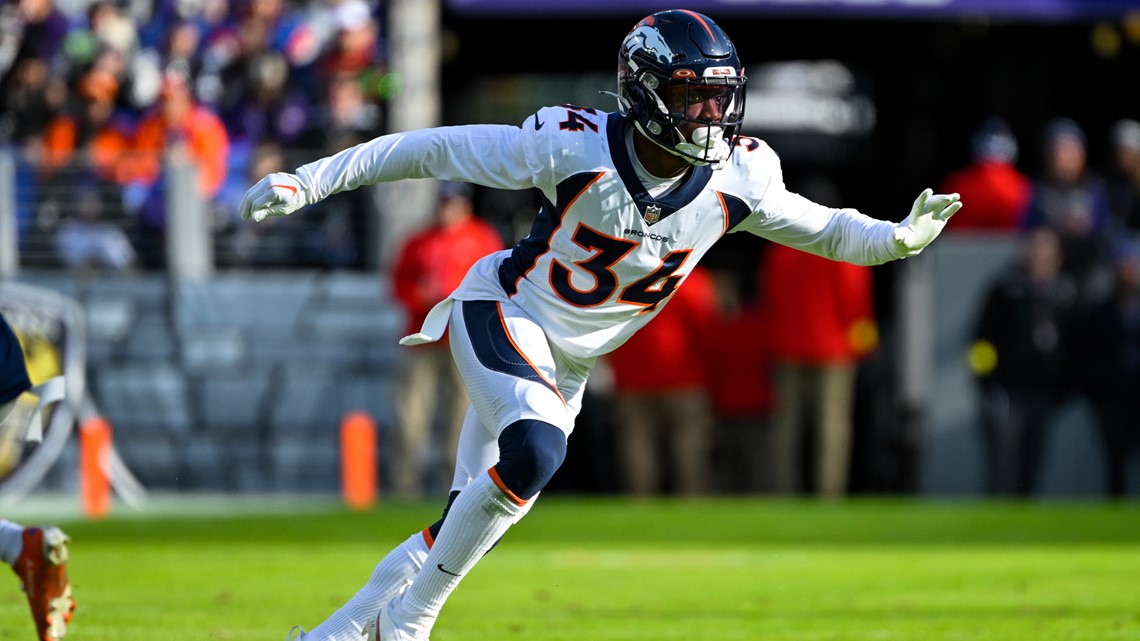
pixel 661 395
pixel 429 265
pixel 740 387
pixel 820 321
pixel 998 192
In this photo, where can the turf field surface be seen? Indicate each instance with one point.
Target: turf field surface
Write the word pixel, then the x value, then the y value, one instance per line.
pixel 609 569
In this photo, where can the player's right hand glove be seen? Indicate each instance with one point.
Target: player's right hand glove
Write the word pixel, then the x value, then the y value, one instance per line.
pixel 278 194
pixel 927 217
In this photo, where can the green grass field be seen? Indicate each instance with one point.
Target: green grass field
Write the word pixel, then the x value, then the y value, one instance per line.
pixel 605 569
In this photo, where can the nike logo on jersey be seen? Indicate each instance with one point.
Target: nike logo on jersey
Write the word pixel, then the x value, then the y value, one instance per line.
pixel 289 187
pixel 440 566
pixel 538 124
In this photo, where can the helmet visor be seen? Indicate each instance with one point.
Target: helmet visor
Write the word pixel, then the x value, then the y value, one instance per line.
pixel 720 102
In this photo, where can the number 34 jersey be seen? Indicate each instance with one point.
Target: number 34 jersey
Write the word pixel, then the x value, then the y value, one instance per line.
pixel 603 255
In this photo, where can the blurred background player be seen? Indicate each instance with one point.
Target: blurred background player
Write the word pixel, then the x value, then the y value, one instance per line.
pixel 38 555
pixel 429 265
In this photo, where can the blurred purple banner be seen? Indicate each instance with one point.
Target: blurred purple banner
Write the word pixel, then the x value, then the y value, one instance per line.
pixel 1028 10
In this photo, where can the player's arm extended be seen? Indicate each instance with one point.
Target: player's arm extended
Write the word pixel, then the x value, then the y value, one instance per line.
pixel 489 155
pixel 854 237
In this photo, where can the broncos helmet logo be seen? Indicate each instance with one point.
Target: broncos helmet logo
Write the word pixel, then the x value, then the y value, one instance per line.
pixel 649 40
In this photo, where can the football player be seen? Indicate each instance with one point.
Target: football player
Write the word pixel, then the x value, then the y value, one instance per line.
pixel 631 201
pixel 38 555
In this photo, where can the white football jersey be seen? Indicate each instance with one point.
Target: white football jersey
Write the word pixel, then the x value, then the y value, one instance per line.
pixel 603 255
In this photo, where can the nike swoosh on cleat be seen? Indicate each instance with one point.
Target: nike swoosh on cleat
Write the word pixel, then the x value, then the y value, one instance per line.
pixel 289 187
pixel 440 566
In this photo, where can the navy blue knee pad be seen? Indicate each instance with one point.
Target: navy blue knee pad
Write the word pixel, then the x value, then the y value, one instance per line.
pixel 530 452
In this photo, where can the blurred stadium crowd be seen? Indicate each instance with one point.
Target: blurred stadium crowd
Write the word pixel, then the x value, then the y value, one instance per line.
pixel 97 96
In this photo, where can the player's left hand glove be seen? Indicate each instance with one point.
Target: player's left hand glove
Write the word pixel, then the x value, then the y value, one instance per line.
pixel 927 218
pixel 278 194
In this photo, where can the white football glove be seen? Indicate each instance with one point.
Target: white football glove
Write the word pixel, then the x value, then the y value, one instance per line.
pixel 278 194
pixel 927 218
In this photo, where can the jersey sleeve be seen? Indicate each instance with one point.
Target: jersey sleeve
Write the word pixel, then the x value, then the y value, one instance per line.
pixel 839 234
pixel 488 155
pixel 564 140
pixel 790 219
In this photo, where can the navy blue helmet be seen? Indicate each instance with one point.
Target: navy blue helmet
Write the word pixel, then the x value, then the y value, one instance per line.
pixel 672 59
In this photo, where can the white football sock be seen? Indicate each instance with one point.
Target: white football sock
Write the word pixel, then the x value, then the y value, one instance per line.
pixel 11 541
pixel 480 516
pixel 392 575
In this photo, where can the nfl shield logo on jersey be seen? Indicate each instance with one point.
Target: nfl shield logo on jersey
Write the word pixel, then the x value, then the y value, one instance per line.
pixel 652 214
